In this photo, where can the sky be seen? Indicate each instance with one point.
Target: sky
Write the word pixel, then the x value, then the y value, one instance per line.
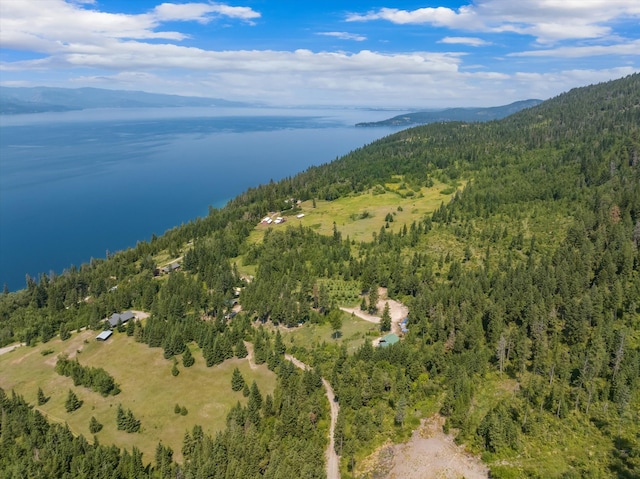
pixel 377 53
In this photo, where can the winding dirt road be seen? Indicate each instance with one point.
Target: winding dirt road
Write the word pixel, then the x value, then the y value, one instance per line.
pixel 397 311
pixel 332 459
pixel 333 462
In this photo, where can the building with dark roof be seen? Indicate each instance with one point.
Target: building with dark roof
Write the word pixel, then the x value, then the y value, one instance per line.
pixel 120 318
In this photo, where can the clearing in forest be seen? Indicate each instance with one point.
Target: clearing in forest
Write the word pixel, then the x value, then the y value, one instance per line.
pixel 149 389
pixel 359 216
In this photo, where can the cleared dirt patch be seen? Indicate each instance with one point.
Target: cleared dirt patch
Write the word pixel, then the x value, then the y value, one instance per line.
pixel 429 454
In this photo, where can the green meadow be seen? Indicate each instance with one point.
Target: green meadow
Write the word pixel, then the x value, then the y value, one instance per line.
pixel 149 389
pixel 359 216
pixel 353 333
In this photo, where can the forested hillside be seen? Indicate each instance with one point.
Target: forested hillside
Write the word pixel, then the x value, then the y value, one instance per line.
pixel 523 292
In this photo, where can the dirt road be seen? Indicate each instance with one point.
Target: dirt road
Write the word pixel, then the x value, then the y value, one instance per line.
pixel 397 311
pixel 333 462
pixel 10 348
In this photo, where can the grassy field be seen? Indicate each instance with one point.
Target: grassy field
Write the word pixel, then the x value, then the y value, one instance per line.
pixel 148 389
pixel 354 332
pixel 359 216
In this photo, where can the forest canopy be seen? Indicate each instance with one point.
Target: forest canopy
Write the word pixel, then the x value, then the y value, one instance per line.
pixel 523 292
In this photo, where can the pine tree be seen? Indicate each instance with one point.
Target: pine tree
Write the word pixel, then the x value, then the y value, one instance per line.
pixel 94 425
pixel 237 381
pixel 385 322
pixel 42 399
pixel 187 358
pixel 64 332
pixel 278 346
pixel 72 403
pixel 335 319
pixel 131 328
pixel 241 349
pixel 373 299
pixel 254 404
pixel 400 411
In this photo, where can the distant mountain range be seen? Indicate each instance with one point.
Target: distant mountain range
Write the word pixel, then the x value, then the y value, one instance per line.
pixel 455 114
pixel 17 100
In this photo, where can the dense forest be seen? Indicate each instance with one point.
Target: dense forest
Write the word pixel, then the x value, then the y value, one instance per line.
pixel 527 281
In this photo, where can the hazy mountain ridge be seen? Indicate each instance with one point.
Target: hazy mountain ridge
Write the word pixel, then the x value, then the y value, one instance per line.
pixel 20 100
pixel 455 114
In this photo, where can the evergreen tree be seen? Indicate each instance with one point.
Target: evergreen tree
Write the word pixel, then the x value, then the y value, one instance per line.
pixel 278 346
pixel 64 332
pixel 241 349
pixel 94 426
pixel 335 319
pixel 131 326
pixel 237 381
pixel 373 299
pixel 187 358
pixel 42 399
pixel 385 321
pixel 126 421
pixel 72 403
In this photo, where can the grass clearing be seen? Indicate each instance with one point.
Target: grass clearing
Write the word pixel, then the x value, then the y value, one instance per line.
pixel 354 332
pixel 359 216
pixel 148 389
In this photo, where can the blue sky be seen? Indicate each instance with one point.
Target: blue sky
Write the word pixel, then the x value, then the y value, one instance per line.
pixel 408 54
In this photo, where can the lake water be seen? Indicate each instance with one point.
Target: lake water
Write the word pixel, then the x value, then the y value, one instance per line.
pixel 76 184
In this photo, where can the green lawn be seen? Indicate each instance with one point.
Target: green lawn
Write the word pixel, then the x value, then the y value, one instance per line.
pixel 148 389
pixel 354 332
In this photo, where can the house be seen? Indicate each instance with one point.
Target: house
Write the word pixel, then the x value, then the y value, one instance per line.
pixel 120 318
pixel 169 268
pixel 388 340
pixel 104 335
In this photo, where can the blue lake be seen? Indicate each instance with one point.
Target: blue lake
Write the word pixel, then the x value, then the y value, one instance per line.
pixel 76 184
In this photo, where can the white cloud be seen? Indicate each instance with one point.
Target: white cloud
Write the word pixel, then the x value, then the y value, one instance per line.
pixel 81 45
pixel 471 41
pixel 627 48
pixel 57 24
pixel 344 36
pixel 547 20
pixel 201 12
pixel 439 16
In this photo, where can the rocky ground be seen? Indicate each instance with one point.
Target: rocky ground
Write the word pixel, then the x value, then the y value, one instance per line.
pixel 429 454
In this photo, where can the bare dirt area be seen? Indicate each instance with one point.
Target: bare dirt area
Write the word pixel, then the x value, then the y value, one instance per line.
pixel 397 311
pixel 429 454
